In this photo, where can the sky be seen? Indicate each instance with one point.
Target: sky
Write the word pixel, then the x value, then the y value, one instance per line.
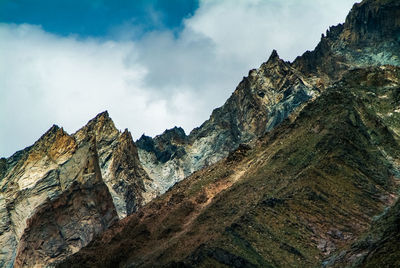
pixel 153 64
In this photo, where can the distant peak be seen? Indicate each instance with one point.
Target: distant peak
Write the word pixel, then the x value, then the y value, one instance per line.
pixel 173 133
pixel 103 115
pixel 100 118
pixel 176 130
pixel 274 56
pixel 54 133
pixel 102 126
pixel 126 133
pixel 54 128
pixel 144 137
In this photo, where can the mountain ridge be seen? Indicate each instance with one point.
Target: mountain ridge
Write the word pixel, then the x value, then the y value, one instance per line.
pixel 274 147
pixel 268 205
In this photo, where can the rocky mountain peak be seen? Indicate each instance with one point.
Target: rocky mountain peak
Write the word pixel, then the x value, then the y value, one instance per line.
pixel 276 90
pixel 94 174
pixel 53 129
pixel 273 57
pixel 166 146
pixel 50 135
pixel 173 135
pixel 126 135
pixel 316 138
pixel 274 64
pixel 55 146
pixel 63 224
pixel 101 126
pixel 100 120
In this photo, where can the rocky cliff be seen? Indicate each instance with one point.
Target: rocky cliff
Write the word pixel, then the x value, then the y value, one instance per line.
pixel 56 195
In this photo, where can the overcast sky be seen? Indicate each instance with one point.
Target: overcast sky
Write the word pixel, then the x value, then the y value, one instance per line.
pixel 152 64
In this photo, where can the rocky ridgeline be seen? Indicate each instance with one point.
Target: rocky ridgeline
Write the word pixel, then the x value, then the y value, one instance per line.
pixel 270 94
pixel 304 192
pixel 56 195
pixel 262 100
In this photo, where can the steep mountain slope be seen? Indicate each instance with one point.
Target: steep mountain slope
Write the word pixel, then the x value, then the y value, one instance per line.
pixel 369 37
pixel 316 159
pixel 60 165
pixel 306 190
pixel 260 102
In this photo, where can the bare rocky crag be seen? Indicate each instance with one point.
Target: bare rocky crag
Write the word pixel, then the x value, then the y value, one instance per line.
pixel 77 185
pixel 304 192
pixel 98 175
pixel 260 102
pixel 308 189
pixel 268 95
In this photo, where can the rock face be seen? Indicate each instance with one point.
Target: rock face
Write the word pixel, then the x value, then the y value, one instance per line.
pixel 62 225
pixel 260 102
pixel 369 37
pixel 85 180
pixel 119 164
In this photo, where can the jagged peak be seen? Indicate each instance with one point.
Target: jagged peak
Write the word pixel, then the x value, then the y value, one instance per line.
pixel 144 136
pixel 274 57
pixel 126 134
pixel 145 143
pixel 175 134
pixel 102 126
pixel 53 129
pixel 274 61
pixel 126 139
pixel 51 132
pixel 55 143
pixel 101 117
pixel 175 130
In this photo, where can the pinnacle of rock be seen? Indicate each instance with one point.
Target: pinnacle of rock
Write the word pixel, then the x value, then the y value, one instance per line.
pixel 274 56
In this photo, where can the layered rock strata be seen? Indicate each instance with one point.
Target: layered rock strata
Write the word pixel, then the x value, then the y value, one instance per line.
pixel 82 182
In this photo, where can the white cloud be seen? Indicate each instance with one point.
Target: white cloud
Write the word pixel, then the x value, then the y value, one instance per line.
pixel 157 82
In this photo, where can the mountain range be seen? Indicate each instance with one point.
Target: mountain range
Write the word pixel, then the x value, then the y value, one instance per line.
pixel 299 168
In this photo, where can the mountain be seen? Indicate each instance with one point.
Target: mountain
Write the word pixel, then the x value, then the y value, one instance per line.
pixel 299 167
pixel 94 175
pixel 269 94
pixel 260 102
pixel 315 185
pixel 305 190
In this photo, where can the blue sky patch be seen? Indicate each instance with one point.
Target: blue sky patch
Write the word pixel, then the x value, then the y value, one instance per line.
pixel 96 18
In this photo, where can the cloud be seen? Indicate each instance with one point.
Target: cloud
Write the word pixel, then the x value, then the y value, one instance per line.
pixel 156 82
